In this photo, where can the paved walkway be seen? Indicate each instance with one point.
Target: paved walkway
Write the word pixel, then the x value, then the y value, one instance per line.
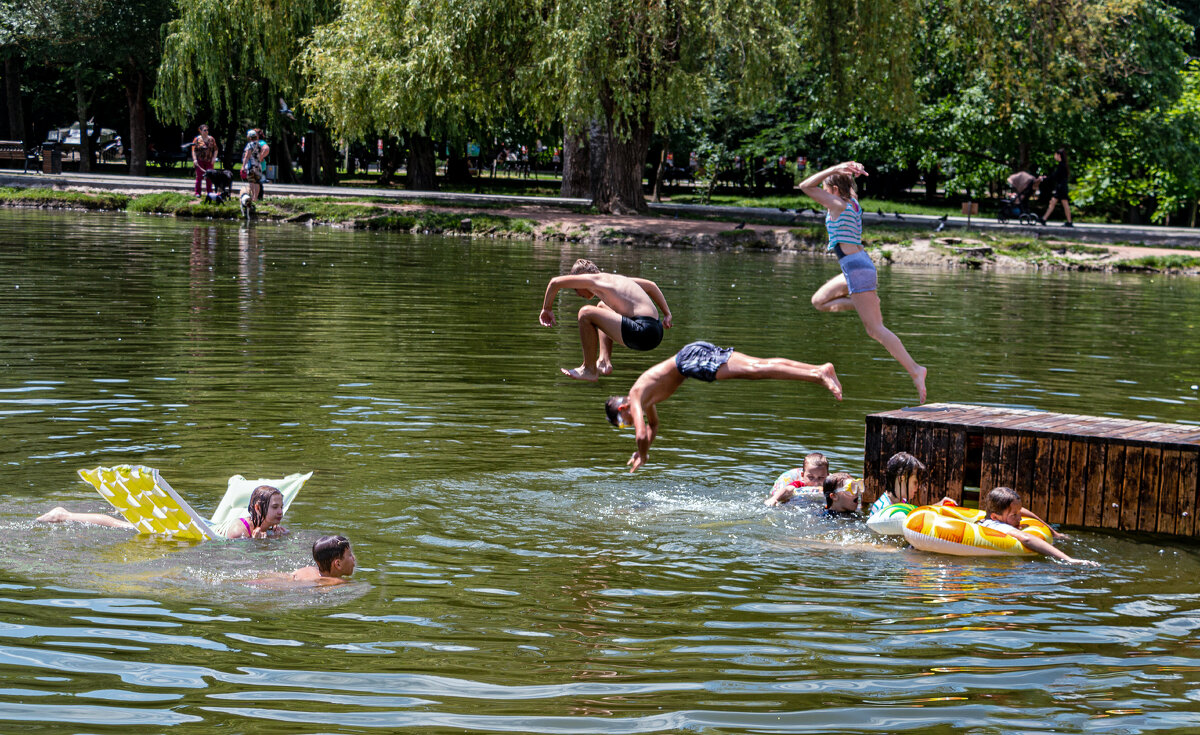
pixel 1165 237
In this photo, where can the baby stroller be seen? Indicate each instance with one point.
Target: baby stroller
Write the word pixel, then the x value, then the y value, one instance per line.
pixel 1016 206
pixel 222 181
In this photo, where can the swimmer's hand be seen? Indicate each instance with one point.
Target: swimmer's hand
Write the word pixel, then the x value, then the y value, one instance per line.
pixel 666 320
pixel 1085 562
pixel 637 460
pixel 547 318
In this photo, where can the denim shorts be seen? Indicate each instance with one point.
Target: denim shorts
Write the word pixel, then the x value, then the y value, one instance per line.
pixel 859 272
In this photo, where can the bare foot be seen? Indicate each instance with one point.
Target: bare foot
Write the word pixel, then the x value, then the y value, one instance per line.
pixel 604 367
pixel 55 515
pixel 580 373
pixel 829 380
pixel 919 381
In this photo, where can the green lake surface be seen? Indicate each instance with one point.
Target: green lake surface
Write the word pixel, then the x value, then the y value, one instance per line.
pixel 513 577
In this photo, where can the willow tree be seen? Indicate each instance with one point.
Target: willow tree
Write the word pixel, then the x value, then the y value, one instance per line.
pixel 629 64
pixel 235 57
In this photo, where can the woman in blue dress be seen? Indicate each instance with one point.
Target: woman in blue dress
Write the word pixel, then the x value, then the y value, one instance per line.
pixel 855 287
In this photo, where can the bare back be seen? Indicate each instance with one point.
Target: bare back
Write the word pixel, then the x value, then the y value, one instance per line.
pixel 657 384
pixel 622 294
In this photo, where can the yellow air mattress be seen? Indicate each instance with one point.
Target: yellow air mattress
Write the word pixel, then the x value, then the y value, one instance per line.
pixel 147 501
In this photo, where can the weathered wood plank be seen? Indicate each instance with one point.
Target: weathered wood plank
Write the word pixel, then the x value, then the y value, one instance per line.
pixel 1131 487
pixel 873 468
pixel 1006 473
pixel 1189 470
pixel 1077 482
pixel 1114 478
pixel 956 460
pixel 1168 498
pixel 1023 475
pixel 1093 515
pixel 923 449
pixel 1041 474
pixel 989 465
pixel 1148 491
pixel 1059 487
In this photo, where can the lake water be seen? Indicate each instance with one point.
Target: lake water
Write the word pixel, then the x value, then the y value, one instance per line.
pixel 513 577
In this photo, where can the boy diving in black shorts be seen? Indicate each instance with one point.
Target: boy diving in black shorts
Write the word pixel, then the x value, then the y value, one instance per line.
pixel 707 362
pixel 626 314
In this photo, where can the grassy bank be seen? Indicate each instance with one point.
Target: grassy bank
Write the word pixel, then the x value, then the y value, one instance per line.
pixel 324 210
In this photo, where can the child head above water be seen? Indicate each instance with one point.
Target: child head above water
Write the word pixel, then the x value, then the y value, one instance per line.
pixel 1003 504
pixel 903 475
pixel 333 556
pixel 266 506
pixel 840 495
pixel 815 470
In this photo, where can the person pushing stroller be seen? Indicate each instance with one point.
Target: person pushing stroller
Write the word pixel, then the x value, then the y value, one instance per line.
pixel 1017 205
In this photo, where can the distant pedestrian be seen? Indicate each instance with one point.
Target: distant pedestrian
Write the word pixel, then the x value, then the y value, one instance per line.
pixel 204 155
pixel 254 163
pixel 1057 184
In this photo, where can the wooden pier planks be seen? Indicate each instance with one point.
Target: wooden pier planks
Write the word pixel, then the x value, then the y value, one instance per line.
pixel 1090 471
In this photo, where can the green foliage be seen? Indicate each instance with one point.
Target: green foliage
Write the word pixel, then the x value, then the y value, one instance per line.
pixel 234 55
pixel 183 205
pixel 1162 262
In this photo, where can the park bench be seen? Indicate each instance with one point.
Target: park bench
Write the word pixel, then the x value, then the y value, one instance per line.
pixel 15 150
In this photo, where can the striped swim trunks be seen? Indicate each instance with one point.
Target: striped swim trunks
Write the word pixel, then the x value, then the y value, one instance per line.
pixel 702 360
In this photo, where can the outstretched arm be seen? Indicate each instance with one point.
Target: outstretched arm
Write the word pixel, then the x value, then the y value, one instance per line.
pixel 1042 547
pixel 656 295
pixel 834 203
pixel 557 284
pixel 645 421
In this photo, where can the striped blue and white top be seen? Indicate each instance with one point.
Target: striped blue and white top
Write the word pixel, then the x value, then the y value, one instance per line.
pixel 846 228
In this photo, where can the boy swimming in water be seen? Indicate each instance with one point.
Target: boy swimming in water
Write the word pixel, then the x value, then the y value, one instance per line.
pixel 811 474
pixel 1004 513
pixel 334 559
pixel 706 362
pixel 626 314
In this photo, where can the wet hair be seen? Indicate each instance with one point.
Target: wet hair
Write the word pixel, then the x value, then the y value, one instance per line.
pixel 1000 499
pixel 817 460
pixel 844 185
pixel 902 465
pixel 833 483
pixel 327 549
pixel 260 500
pixel 612 409
pixel 583 265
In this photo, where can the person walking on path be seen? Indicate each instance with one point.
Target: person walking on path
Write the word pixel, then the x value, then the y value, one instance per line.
pixel 855 287
pixel 1057 183
pixel 254 157
pixel 204 155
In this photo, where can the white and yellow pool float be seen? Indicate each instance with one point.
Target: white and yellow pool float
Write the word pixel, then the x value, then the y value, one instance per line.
pixel 889 521
pixel 955 530
pixel 148 502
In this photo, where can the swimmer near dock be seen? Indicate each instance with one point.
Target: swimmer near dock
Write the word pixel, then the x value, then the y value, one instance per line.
pixel 1083 471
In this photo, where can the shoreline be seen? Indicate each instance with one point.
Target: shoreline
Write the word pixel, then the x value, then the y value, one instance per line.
pixel 1039 250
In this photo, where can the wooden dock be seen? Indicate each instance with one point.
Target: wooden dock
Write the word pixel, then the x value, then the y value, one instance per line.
pixel 1085 471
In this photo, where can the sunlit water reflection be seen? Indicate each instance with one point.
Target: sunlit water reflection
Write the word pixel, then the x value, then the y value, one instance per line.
pixel 513 577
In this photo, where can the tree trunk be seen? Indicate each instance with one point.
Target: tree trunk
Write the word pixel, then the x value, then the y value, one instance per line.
pixel 576 163
pixel 81 111
pixel 135 96
pixel 327 159
pixel 620 186
pixel 422 164
pixel 932 178
pixel 458 168
pixel 597 157
pixel 12 90
pixel 1023 156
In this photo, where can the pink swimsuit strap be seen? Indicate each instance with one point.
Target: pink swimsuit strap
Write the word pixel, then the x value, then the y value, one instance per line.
pixel 249 529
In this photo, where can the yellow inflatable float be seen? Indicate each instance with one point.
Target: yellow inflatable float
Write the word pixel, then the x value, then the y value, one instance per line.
pixel 955 530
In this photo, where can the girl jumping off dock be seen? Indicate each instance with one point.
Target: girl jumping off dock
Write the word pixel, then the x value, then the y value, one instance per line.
pixel 855 287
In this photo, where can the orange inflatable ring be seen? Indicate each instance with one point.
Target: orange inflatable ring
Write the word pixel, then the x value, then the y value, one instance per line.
pixel 955 530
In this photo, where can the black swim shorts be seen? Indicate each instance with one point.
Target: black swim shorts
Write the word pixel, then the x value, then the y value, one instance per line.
pixel 702 360
pixel 641 332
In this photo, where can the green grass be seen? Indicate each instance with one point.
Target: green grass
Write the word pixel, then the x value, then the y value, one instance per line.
pixel 66 199
pixel 451 222
pixel 327 209
pixel 183 205
pixel 1162 262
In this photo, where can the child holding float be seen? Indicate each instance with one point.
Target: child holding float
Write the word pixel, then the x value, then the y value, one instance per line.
pixel 811 474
